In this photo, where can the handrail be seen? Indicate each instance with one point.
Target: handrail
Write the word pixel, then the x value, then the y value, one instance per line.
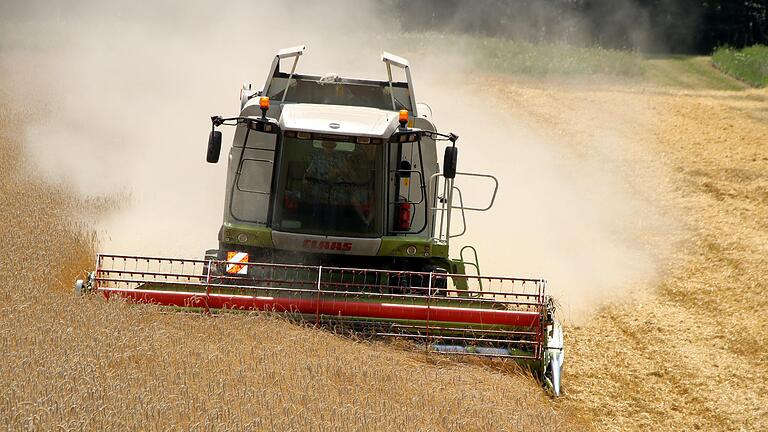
pixel 495 190
pixel 463 216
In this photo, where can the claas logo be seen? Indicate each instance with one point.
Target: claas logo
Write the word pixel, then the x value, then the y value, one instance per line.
pixel 327 245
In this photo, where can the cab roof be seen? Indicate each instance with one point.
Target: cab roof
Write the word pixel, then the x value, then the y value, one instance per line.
pixel 338 119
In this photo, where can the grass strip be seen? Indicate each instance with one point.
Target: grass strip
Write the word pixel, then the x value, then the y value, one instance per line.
pixel 749 64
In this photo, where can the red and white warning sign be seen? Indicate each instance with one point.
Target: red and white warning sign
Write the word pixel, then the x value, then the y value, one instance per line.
pixel 236 263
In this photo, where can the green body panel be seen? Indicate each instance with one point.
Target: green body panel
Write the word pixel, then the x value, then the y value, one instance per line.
pixel 457 267
pixel 395 246
pixel 256 236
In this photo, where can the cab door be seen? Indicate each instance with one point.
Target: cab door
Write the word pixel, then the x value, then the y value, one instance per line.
pixel 249 177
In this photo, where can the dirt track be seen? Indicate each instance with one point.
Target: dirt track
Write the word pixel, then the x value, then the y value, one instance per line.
pixel 688 351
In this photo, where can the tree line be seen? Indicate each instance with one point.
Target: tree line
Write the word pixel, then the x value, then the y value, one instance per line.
pixel 676 26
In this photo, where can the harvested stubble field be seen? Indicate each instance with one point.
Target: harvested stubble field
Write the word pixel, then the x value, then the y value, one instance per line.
pixel 689 353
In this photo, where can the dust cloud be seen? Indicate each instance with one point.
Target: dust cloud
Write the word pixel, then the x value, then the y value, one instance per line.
pixel 127 90
pixel 575 218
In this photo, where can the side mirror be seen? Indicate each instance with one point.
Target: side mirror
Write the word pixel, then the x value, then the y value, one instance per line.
pixel 449 162
pixel 214 147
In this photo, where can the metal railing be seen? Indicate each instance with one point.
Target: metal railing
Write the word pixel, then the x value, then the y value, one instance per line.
pixel 443 204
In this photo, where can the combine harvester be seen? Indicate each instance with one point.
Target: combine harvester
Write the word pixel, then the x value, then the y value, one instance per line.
pixel 337 212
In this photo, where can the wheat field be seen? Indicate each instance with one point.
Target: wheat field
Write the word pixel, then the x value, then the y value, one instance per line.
pixel 691 355
pixel 73 363
pixel 683 351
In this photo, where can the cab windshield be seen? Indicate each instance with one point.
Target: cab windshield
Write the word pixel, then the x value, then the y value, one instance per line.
pixel 329 188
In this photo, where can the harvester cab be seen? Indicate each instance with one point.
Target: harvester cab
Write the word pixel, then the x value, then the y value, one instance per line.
pixel 332 171
pixel 338 211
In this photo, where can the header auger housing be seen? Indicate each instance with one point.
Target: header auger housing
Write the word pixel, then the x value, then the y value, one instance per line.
pixel 336 212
